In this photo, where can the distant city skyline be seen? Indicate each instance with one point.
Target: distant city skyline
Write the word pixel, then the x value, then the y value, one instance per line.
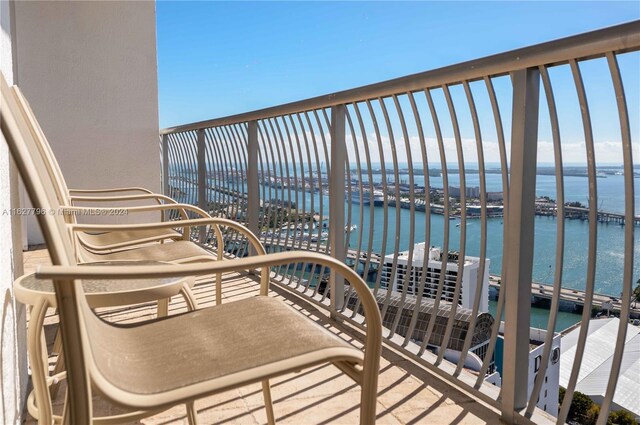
pixel 220 58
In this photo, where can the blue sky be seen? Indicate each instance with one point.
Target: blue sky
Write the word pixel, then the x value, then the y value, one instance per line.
pixel 221 58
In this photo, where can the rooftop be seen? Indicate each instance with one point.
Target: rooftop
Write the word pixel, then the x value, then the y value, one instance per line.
pixel 595 371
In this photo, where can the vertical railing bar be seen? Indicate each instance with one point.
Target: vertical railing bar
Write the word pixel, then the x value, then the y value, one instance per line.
pixel 179 146
pixel 284 159
pixel 217 165
pixel 164 145
pixel 627 156
pixel 367 263
pixel 560 226
pixel 348 203
pixel 356 261
pixel 524 142
pixel 445 242
pixel 593 235
pixel 271 216
pixel 304 194
pixel 227 187
pixel 240 156
pixel 427 224
pixel 262 160
pixel 504 170
pixel 281 209
pixel 173 159
pixel 463 227
pixel 354 138
pixel 278 191
pixel 234 147
pixel 188 161
pixel 319 271
pixel 179 164
pixel 181 152
pixel 314 143
pixel 323 138
pixel 253 194
pixel 483 229
pixel 311 196
pixel 396 242
pixel 412 213
pixel 212 154
pixel 298 232
pixel 336 201
pixel 385 204
pixel 231 186
pixel 202 177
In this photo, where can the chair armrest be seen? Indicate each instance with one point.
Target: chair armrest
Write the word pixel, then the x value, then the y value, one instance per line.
pixel 158 198
pixel 119 198
pixel 79 210
pixel 373 339
pixel 215 222
pixel 111 190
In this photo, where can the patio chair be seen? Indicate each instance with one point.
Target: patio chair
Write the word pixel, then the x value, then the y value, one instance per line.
pixel 189 356
pixel 103 241
pixel 97 243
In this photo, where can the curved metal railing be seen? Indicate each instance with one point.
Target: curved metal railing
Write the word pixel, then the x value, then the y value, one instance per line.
pixel 447 158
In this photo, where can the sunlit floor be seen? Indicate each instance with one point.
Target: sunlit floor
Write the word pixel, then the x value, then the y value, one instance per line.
pixel 407 393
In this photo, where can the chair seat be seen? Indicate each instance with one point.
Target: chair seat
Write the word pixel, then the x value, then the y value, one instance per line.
pixel 178 251
pixel 108 240
pixel 257 337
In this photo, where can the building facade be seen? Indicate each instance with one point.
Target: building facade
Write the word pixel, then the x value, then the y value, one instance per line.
pixel 409 272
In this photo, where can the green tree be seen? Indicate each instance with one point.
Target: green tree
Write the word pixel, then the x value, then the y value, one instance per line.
pixel 592 415
pixel 621 417
pixel 636 292
pixel 580 407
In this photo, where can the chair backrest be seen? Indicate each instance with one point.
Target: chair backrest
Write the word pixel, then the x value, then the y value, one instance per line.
pixel 43 146
pixel 71 302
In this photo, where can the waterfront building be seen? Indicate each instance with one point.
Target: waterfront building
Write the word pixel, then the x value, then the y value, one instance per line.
pixel 597 359
pixel 548 398
pixel 409 272
pixel 471 192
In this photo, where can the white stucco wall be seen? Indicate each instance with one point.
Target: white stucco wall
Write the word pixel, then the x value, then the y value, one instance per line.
pixel 13 357
pixel 89 71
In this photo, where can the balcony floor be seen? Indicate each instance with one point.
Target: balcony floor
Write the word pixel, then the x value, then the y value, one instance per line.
pixel 407 393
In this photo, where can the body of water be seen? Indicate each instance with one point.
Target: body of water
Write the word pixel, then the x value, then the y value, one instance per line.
pixel 411 230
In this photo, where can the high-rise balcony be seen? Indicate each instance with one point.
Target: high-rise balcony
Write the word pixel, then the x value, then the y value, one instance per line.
pixel 468 158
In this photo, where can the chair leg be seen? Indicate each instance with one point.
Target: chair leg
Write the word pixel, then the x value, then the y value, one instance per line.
pixel 189 298
pixel 268 403
pixel 368 403
pixel 163 307
pixel 37 352
pixel 218 288
pixel 59 365
pixel 192 413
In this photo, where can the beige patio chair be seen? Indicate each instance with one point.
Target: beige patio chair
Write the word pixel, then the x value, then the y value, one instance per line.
pixel 104 241
pixel 185 357
pixel 97 243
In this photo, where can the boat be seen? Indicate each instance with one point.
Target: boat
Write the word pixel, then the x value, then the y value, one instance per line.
pixel 357 197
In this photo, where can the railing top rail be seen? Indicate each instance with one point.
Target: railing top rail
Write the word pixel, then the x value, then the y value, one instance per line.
pixel 620 38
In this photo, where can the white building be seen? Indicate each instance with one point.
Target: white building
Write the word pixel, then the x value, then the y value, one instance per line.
pixel 409 272
pixel 548 398
pixel 596 364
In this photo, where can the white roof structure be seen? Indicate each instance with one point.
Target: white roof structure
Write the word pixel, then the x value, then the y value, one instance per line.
pixel 596 363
